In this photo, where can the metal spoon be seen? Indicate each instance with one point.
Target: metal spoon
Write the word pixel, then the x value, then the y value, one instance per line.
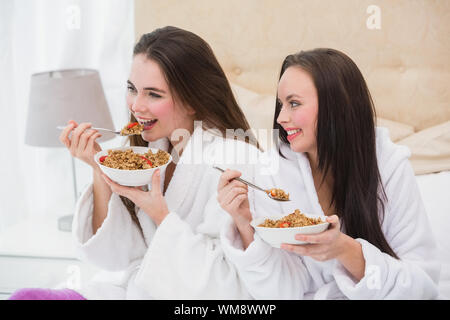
pixel 100 129
pixel 256 187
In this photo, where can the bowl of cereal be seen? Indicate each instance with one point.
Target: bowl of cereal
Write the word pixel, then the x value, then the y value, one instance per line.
pixel 280 229
pixel 132 166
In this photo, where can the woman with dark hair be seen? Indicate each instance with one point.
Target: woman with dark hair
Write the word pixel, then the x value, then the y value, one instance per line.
pixel 166 240
pixel 336 163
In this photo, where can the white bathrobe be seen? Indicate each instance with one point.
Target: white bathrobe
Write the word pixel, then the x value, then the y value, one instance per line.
pixel 180 259
pixel 270 273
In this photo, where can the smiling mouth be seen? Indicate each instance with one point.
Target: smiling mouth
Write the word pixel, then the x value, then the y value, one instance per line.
pixel 291 134
pixel 148 124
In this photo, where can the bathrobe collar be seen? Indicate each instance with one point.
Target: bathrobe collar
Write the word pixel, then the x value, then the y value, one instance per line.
pixel 302 161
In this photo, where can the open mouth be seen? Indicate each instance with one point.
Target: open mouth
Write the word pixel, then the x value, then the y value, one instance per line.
pixel 291 134
pixel 148 124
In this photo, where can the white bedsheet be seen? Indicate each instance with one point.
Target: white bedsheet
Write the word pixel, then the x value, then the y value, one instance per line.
pixel 435 190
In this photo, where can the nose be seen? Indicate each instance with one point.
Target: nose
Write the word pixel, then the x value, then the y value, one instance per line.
pixel 138 104
pixel 284 116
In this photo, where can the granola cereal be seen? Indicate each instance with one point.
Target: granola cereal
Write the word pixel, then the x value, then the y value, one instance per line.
pixel 295 219
pixel 129 160
pixel 158 159
pixel 278 194
pixel 133 128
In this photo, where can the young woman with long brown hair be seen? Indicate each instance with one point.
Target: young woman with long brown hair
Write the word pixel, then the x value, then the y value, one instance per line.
pixel 336 163
pixel 165 240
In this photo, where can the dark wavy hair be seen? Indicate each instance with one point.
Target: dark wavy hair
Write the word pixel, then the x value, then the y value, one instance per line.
pixel 196 79
pixel 345 134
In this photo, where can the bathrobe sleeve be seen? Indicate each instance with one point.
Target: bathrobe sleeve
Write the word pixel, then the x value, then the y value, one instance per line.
pixel 415 275
pixel 264 269
pixel 268 273
pixel 188 263
pixel 116 243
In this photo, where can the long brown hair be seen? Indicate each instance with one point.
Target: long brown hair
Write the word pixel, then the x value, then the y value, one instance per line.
pixel 196 79
pixel 345 141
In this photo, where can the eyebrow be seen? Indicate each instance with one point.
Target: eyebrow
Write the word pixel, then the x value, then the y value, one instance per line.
pixel 147 88
pixel 293 95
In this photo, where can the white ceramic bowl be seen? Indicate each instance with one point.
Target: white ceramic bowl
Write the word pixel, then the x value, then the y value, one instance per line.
pixel 276 236
pixel 131 178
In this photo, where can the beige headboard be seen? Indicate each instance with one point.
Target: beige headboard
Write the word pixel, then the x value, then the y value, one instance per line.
pixel 406 62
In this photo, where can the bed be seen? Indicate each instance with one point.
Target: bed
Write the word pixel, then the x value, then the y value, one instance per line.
pixel 435 190
pixel 405 65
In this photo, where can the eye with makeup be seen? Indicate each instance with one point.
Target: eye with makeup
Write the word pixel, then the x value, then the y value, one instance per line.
pixel 131 89
pixel 154 95
pixel 294 104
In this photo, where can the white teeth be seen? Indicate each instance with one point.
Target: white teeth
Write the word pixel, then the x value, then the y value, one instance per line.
pixel 293 131
pixel 144 122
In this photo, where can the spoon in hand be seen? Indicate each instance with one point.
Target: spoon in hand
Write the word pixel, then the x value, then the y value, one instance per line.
pixel 272 195
pixel 99 129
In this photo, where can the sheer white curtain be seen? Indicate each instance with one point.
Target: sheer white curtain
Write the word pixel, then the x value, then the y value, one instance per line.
pixel 44 35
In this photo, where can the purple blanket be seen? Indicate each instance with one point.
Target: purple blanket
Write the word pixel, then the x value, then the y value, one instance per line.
pixel 45 294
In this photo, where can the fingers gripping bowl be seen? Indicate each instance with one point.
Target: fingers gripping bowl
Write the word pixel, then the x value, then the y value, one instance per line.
pixel 279 229
pixel 132 176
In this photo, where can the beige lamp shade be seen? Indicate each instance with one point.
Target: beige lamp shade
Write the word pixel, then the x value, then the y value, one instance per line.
pixel 62 95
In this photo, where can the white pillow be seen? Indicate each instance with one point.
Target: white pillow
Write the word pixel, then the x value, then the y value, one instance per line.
pixel 397 130
pixel 430 149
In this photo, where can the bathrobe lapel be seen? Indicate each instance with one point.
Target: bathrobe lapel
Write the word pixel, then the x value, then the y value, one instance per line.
pixel 300 184
pixel 305 170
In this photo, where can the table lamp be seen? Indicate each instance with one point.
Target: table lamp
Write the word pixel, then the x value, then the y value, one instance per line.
pixel 57 97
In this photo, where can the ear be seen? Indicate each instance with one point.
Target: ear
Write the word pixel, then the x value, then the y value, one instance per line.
pixel 190 111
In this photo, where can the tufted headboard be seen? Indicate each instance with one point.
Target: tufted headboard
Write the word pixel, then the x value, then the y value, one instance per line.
pixel 402 48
